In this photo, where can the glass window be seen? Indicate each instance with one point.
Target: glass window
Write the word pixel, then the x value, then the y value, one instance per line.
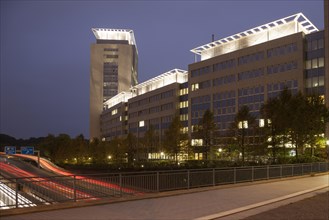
pixel 309 83
pixel 320 43
pixel 314 44
pixel 321 62
pixel 308 64
pixel 315 63
pixel 321 80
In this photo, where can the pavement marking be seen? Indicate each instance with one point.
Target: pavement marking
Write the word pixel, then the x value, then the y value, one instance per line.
pixel 256 205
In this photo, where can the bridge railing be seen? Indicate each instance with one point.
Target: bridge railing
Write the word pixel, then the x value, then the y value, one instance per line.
pixel 32 191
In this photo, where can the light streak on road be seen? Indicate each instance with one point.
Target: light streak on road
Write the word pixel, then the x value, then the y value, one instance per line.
pixel 48 184
pixel 52 167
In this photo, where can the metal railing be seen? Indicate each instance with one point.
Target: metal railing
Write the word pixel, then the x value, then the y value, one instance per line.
pixel 32 191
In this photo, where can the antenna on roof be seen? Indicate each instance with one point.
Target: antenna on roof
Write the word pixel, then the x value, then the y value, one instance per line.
pixel 212 38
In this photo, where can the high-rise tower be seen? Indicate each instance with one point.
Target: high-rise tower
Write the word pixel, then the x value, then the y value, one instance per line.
pixel 113 69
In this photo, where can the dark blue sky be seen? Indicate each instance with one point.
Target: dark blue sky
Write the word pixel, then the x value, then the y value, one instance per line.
pixel 45 49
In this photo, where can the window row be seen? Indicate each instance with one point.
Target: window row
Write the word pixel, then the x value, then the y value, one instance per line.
pixel 200 99
pixel 200 71
pixel 315 44
pixel 250 91
pixel 251 74
pixel 282 67
pixel 111 49
pixel 315 63
pixel 224 80
pixel 224 95
pixel 251 58
pixel 111 56
pixel 224 65
pixel 224 103
pixel 315 82
pixel 286 49
pixel 282 85
pixel 224 110
pixel 251 99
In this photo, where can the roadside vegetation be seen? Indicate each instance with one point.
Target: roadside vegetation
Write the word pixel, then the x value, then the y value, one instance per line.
pixel 290 130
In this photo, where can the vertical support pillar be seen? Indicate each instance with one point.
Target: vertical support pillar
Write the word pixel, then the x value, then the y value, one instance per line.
pixel 213 177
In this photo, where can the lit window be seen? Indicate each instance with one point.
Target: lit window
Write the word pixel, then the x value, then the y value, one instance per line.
pixel 261 123
pixel 195 86
pixel 115 111
pixel 141 124
pixel 196 142
pixel 243 124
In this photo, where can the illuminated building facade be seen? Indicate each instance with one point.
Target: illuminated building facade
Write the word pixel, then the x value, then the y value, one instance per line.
pixel 113 69
pixel 250 67
pixel 247 68
pixel 151 103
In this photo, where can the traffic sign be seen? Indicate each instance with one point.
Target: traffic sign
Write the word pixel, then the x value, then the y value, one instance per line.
pixel 10 150
pixel 27 150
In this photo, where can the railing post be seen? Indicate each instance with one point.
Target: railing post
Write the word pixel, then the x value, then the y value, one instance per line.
pixel 188 179
pixel 280 170
pixel 234 175
pixel 252 173
pixel 213 177
pixel 268 172
pixel 120 183
pixel 158 181
pixel 302 169
pixel 292 171
pixel 74 189
pixel 16 193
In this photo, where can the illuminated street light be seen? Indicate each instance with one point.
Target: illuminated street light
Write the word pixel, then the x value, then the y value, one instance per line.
pixel 110 157
pixel 220 150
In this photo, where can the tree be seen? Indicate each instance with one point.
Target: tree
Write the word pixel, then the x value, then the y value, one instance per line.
pixel 130 145
pixel 243 121
pixel 276 114
pixel 150 140
pixel 298 120
pixel 175 139
pixel 205 130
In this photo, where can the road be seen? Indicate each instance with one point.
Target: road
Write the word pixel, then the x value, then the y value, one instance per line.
pixel 48 185
pixel 210 203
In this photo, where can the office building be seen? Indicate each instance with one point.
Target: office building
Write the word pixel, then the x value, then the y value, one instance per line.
pixel 113 69
pixel 250 67
pixel 245 69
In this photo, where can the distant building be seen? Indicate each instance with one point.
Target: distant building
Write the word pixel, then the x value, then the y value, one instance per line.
pixel 113 69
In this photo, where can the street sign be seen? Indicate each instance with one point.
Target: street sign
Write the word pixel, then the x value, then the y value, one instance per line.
pixel 27 150
pixel 10 150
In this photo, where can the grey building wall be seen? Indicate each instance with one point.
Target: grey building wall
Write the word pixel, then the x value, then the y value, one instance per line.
pixel 122 55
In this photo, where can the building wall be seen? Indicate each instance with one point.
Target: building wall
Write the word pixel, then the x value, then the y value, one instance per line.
pixel 245 77
pixel 125 56
pixel 156 108
pixel 113 122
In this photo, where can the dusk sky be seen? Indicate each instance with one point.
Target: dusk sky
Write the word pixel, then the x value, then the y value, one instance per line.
pixel 45 49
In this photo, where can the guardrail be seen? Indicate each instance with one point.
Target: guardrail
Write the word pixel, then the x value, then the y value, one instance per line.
pixel 31 191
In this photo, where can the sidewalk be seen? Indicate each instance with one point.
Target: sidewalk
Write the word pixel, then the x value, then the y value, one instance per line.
pixel 209 204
